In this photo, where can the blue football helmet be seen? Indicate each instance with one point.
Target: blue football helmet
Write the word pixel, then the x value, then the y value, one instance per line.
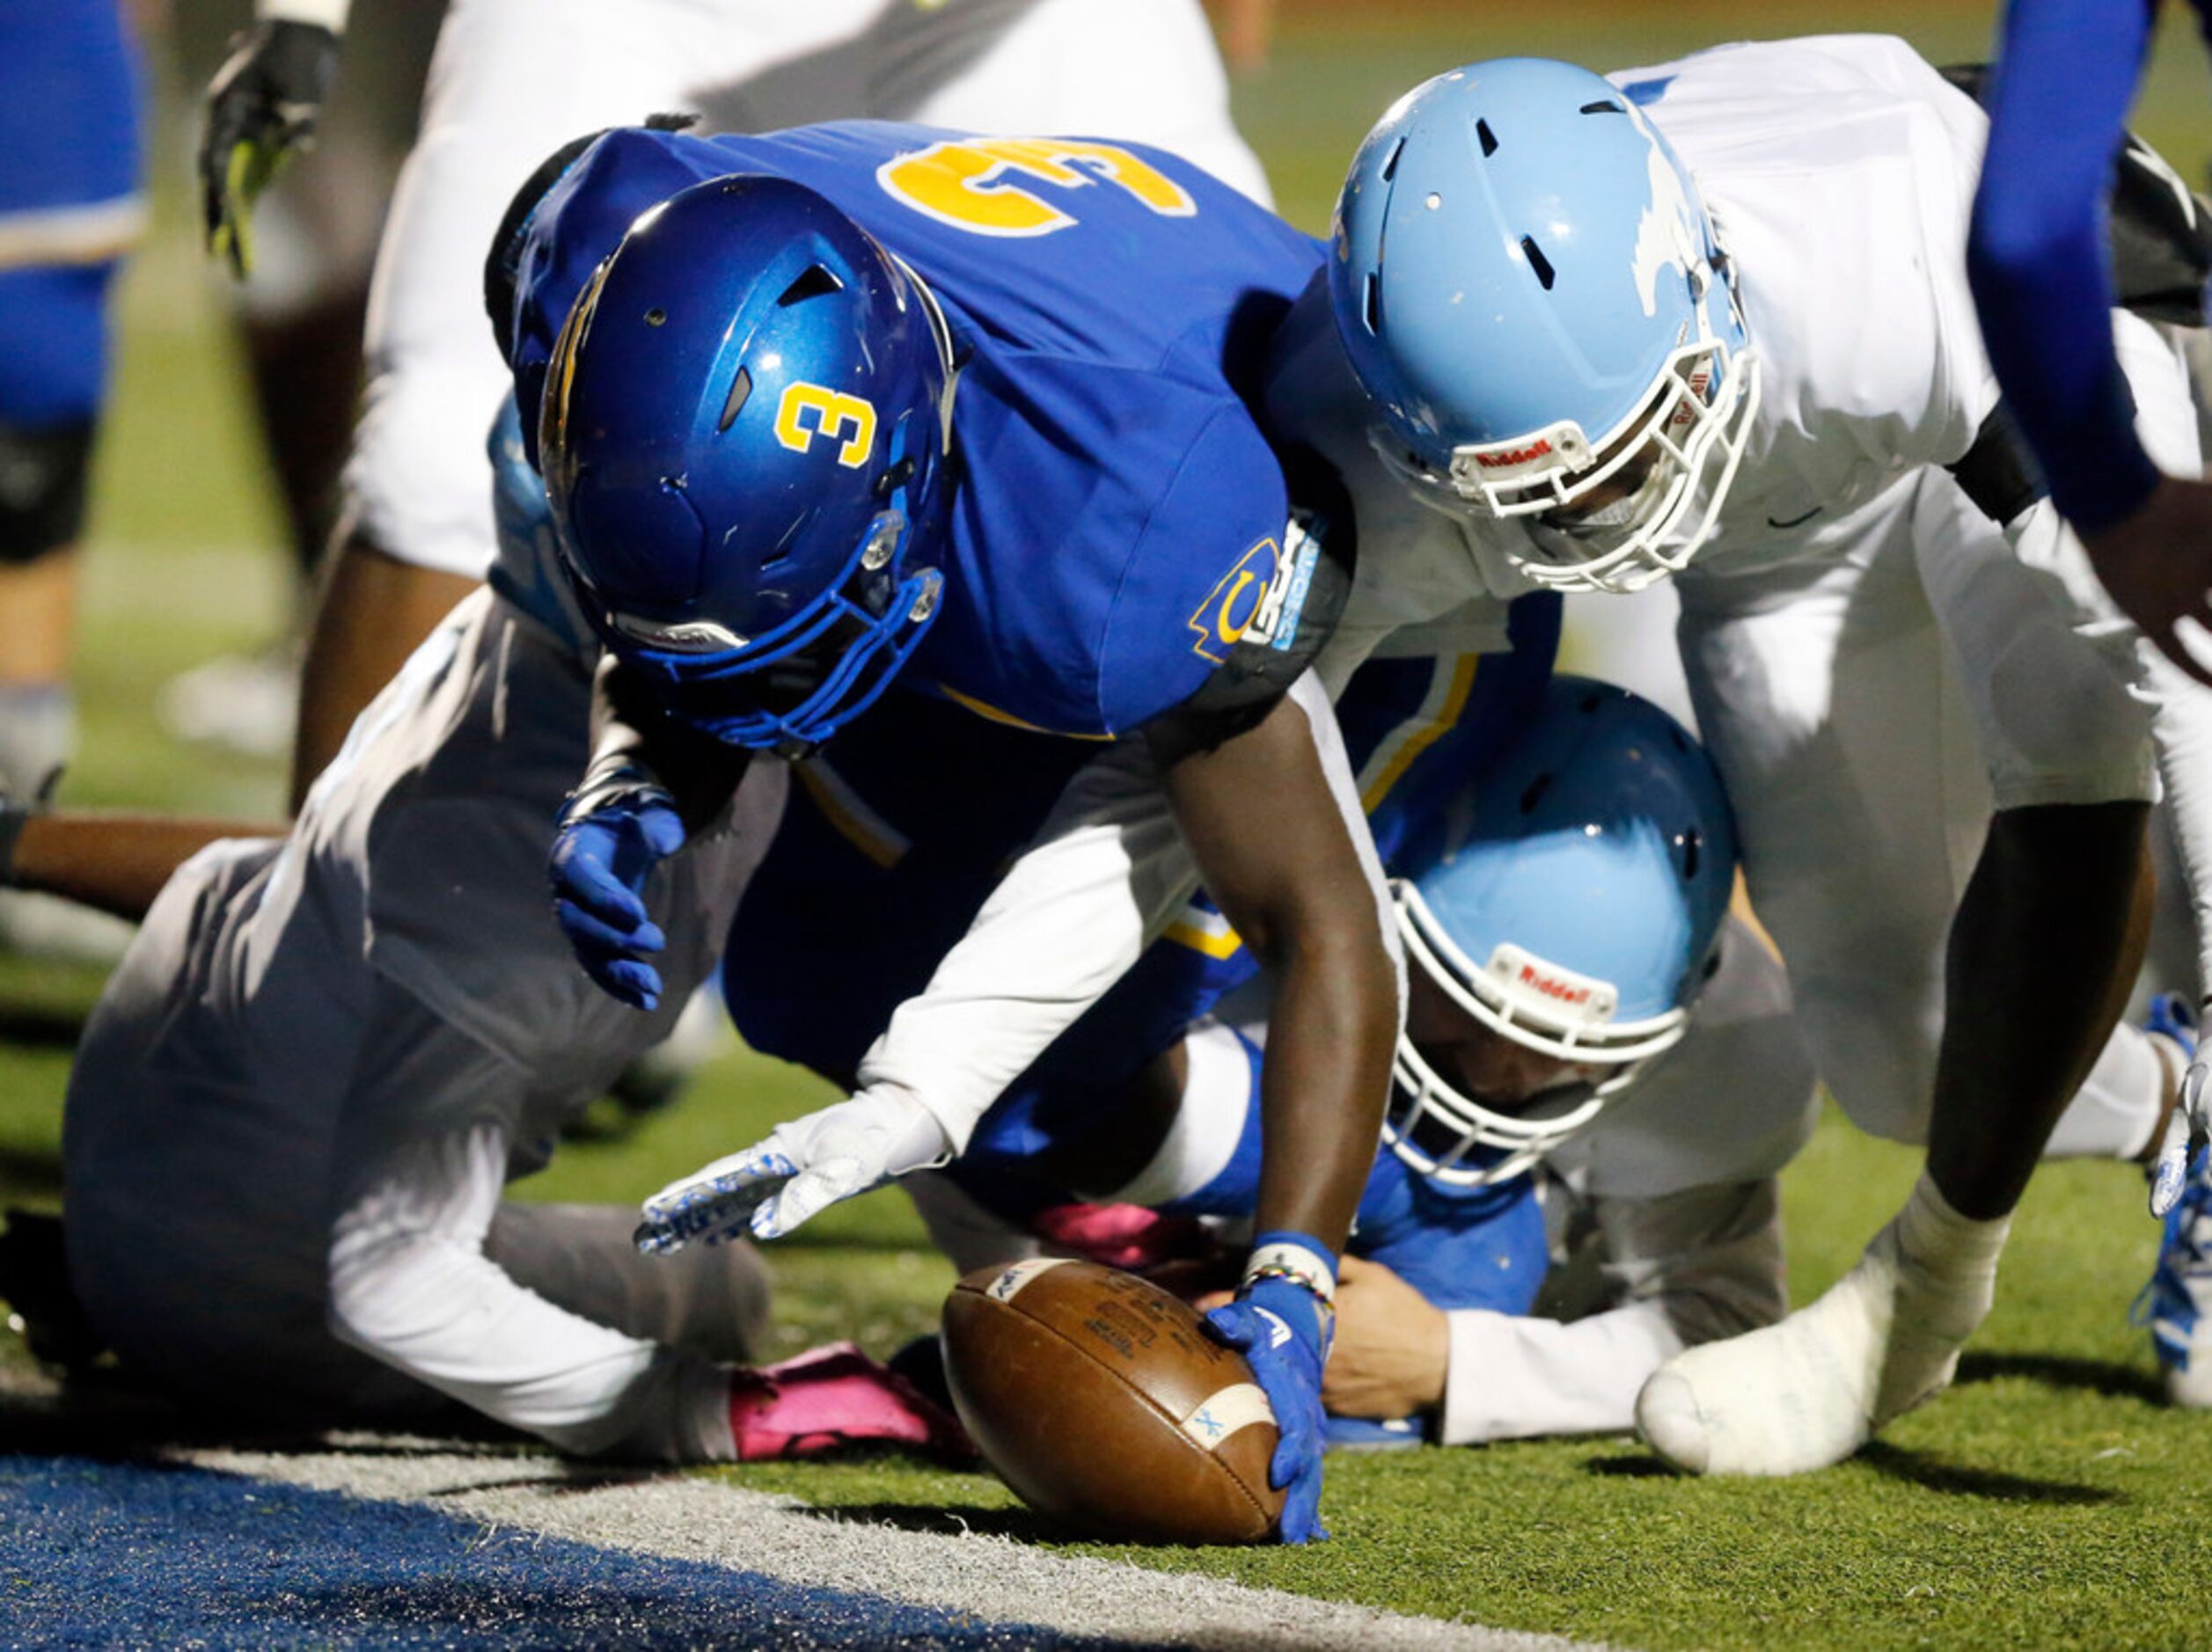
pixel 743 434
pixel 1568 897
pixel 1539 306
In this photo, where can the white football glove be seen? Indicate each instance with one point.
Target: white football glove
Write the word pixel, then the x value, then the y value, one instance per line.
pixel 804 1166
pixel 2190 1123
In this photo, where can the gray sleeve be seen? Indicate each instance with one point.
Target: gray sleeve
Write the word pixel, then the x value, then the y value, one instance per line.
pixel 421 1163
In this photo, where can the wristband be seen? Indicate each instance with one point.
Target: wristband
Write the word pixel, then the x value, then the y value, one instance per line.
pixel 1281 1254
pixel 622 782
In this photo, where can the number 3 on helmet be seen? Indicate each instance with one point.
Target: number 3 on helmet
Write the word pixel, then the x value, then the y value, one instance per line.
pixel 1539 306
pixel 743 436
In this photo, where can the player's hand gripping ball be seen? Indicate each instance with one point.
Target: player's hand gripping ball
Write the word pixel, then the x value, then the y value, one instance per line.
pixel 1101 1400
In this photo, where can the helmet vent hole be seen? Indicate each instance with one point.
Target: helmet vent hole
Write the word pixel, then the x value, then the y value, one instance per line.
pixel 656 316
pixel 1538 262
pixel 1390 163
pixel 1534 794
pixel 1604 106
pixel 817 282
pixel 1693 842
pixel 1371 309
pixel 740 392
pixel 1486 138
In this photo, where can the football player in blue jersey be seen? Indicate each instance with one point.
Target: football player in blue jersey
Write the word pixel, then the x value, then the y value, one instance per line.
pixel 70 205
pixel 828 409
pixel 1564 857
pixel 1628 399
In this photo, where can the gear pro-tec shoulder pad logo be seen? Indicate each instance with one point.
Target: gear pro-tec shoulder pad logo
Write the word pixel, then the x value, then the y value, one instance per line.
pixel 1258 601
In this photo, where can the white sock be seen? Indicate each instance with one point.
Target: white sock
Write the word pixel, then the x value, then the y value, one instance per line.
pixel 1811 1390
pixel 1946 1268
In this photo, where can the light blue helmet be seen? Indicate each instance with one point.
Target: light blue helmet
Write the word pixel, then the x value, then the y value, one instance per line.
pixel 1538 302
pixel 1569 897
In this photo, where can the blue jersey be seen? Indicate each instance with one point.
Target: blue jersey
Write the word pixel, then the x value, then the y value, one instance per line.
pixel 892 841
pixel 1118 528
pixel 69 92
pixel 2038 258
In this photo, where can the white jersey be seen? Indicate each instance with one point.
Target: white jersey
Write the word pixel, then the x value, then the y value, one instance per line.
pixel 1674 1200
pixel 1839 171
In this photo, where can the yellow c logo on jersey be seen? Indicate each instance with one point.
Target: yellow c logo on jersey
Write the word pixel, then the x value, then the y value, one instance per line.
pixel 964 183
pixel 1245 593
pixel 835 412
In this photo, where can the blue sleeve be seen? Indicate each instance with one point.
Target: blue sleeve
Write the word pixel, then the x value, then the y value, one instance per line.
pixel 1477 1249
pixel 1211 587
pixel 2038 257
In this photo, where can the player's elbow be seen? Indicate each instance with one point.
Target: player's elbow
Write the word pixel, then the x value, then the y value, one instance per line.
pixel 1342 939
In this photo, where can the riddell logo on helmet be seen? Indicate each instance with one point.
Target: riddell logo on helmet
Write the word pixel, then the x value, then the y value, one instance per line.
pixel 1553 987
pixel 1504 459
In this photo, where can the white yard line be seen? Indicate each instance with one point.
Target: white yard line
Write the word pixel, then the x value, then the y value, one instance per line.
pixel 996 1578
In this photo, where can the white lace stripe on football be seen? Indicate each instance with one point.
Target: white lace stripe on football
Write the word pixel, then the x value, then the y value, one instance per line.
pixel 1008 1284
pixel 1220 1415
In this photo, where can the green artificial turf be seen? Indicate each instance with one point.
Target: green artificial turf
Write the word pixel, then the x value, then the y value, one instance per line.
pixel 2050 1499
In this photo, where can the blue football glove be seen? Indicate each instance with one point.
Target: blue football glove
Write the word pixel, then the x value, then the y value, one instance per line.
pixel 261 110
pixel 604 850
pixel 1282 1330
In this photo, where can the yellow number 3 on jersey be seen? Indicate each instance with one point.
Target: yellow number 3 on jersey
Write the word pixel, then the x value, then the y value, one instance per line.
pixel 962 182
pixel 835 415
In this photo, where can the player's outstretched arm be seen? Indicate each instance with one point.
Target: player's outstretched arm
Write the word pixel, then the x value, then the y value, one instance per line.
pixel 115 862
pixel 2043 280
pixel 1074 912
pixel 1282 848
pixel 1273 820
pixel 261 109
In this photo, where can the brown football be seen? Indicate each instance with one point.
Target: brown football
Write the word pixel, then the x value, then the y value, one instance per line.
pixel 1100 1399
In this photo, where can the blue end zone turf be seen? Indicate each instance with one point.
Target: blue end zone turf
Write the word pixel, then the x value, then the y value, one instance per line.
pixel 95 1554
